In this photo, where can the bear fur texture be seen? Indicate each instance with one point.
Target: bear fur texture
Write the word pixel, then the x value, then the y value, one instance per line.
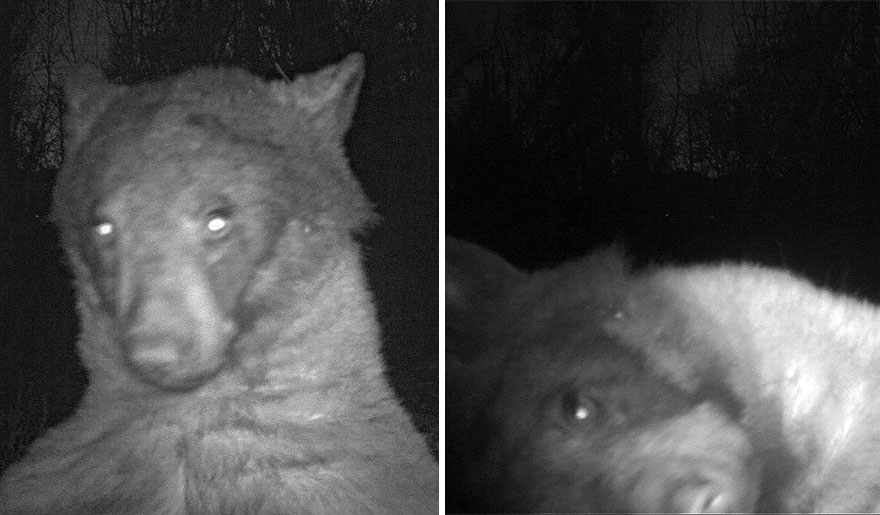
pixel 773 402
pixel 230 339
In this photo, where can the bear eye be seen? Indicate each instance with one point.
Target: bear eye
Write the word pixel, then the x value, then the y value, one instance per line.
pixel 579 408
pixel 104 232
pixel 218 222
pixel 104 229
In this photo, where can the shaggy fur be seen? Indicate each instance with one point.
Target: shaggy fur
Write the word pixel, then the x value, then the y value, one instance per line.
pixel 803 360
pixel 797 363
pixel 230 339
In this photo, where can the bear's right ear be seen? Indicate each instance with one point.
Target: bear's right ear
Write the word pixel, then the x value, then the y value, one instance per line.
pixel 475 274
pixel 327 97
pixel 88 94
pixel 477 280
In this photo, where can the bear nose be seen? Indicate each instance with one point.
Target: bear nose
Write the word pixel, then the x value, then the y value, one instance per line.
pixel 703 496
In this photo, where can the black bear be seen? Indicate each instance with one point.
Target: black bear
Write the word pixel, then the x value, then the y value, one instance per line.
pixel 590 387
pixel 229 335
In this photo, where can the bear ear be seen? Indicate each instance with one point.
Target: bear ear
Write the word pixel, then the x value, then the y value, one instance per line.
pixel 477 281
pixel 475 275
pixel 327 98
pixel 88 94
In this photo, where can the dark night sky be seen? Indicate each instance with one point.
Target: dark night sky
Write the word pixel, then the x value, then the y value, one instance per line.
pixel 572 125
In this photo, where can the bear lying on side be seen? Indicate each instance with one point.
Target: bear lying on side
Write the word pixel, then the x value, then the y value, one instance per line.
pixel 722 388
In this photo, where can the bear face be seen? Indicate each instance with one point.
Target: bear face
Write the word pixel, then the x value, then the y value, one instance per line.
pixel 776 376
pixel 230 339
pixel 194 181
pixel 548 411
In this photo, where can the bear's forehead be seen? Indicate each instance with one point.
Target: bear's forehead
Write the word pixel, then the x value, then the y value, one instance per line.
pixel 211 131
pixel 218 90
pixel 182 156
pixel 154 136
pixel 224 105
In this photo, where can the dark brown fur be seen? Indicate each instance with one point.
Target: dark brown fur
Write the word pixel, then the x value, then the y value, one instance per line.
pixel 230 339
pixel 529 350
pixel 794 365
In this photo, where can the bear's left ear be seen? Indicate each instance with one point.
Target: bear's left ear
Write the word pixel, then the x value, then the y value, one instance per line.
pixel 477 280
pixel 327 98
pixel 88 93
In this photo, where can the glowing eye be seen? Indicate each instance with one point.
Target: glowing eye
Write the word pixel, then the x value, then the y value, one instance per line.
pixel 582 413
pixel 578 407
pixel 104 229
pixel 218 221
pixel 217 224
